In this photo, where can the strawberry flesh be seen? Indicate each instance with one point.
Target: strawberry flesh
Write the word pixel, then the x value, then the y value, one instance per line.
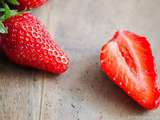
pixel 127 59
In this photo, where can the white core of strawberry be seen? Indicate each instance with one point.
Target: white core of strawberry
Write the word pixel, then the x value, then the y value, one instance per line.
pixel 114 50
pixel 140 75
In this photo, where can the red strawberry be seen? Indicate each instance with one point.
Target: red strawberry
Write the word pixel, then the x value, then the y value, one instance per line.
pixel 28 4
pixel 29 44
pixel 127 59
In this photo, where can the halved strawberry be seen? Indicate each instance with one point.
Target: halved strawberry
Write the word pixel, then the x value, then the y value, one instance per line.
pixel 127 59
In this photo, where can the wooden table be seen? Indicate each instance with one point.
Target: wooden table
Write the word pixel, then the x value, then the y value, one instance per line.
pixel 83 92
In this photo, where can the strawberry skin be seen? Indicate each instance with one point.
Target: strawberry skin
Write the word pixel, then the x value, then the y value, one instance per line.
pixel 127 59
pixel 28 4
pixel 29 44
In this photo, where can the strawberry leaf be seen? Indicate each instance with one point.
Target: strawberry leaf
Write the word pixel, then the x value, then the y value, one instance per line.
pixel 8 12
pixel 3 29
pixel 5 13
pixel 2 9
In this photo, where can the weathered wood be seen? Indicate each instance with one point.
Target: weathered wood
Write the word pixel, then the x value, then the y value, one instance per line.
pixel 81 27
pixel 20 92
pixel 83 92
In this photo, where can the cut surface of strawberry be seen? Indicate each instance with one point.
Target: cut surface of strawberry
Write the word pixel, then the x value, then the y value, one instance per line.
pixel 127 59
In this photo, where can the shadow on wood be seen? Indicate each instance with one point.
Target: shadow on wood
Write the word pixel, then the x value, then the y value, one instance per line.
pixel 109 96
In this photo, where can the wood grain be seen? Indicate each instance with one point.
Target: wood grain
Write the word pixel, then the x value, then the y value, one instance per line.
pixel 20 89
pixel 83 92
pixel 81 27
pixel 20 92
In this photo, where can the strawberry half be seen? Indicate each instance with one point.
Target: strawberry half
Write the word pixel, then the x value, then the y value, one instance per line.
pixel 29 44
pixel 127 59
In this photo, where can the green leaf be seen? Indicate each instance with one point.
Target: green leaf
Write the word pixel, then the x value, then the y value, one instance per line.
pixel 2 18
pixel 8 12
pixel 14 2
pixel 3 29
pixel 2 9
pixel 5 13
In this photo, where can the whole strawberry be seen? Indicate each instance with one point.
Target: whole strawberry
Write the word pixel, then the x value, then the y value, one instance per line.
pixel 28 43
pixel 26 4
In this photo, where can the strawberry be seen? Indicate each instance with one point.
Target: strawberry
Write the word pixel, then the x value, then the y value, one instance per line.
pixel 28 43
pixel 26 4
pixel 127 60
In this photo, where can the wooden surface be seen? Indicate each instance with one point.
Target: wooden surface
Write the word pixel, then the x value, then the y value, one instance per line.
pixel 83 92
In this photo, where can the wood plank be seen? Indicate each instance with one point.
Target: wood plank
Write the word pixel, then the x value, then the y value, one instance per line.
pixel 20 92
pixel 83 92
pixel 81 27
pixel 20 88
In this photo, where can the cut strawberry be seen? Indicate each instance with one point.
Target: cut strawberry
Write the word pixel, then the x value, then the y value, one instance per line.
pixel 127 59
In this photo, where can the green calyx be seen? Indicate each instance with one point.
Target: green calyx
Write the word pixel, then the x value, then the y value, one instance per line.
pixel 6 12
